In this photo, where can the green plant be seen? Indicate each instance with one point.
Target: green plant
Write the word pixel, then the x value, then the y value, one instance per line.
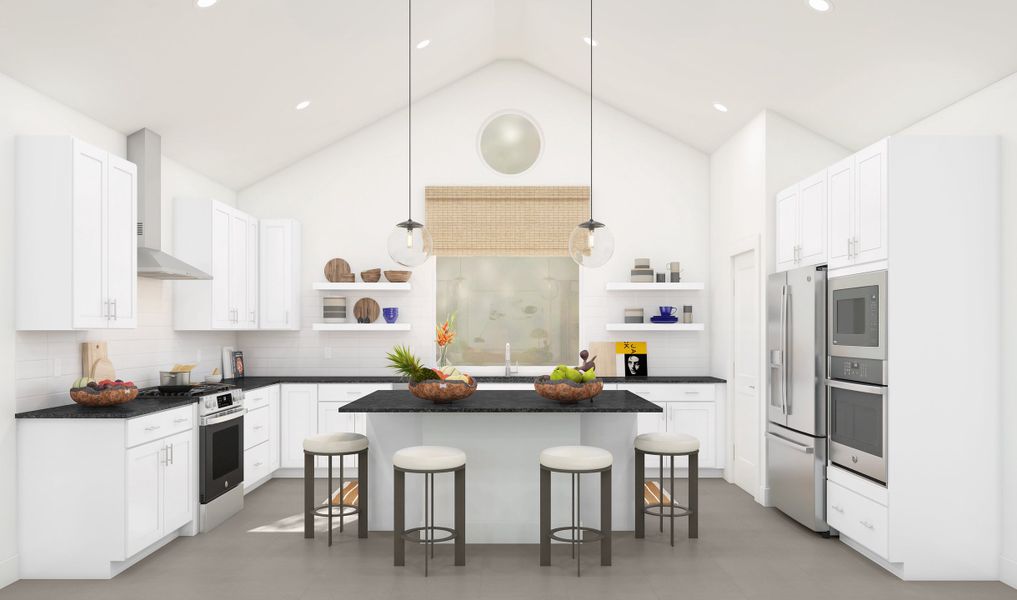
pixel 402 361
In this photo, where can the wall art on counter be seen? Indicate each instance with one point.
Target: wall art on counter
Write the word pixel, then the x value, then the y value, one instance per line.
pixel 633 358
pixel 238 364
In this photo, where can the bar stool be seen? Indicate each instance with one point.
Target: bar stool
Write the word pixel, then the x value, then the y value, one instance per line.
pixel 669 445
pixel 339 444
pixel 575 460
pixel 429 460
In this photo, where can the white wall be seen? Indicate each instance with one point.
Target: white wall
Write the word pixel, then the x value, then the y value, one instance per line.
pixel 650 189
pixel 991 112
pixel 42 364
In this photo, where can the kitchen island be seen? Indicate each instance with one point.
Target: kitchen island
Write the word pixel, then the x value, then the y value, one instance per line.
pixel 502 433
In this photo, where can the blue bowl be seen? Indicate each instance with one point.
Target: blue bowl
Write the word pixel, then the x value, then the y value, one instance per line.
pixel 391 314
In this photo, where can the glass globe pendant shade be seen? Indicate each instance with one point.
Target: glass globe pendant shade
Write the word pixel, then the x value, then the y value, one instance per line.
pixel 410 244
pixel 591 244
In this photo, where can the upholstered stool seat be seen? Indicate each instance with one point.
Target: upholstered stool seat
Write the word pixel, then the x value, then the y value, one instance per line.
pixel 340 442
pixel 575 460
pixel 666 443
pixel 429 458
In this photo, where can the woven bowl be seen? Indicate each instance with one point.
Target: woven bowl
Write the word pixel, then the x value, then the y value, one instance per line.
pixel 398 276
pixel 567 391
pixel 116 395
pixel 371 275
pixel 443 392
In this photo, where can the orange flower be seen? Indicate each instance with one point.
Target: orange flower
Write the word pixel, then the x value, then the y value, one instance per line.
pixel 444 334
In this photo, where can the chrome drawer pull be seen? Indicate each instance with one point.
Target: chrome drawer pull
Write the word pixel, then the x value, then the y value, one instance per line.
pixel 866 524
pixel 258 464
pixel 257 427
pixel 152 427
pixel 183 420
pixel 837 508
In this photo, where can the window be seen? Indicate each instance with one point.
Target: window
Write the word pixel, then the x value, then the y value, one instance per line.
pixel 529 302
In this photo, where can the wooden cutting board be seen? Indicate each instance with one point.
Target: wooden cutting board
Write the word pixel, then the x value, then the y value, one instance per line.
pixel 366 310
pixel 604 351
pixel 336 267
pixel 95 361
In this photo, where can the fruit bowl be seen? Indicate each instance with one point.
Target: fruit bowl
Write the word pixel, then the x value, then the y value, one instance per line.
pixel 567 391
pixel 118 394
pixel 443 392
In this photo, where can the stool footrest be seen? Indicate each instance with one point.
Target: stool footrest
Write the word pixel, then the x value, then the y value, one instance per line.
pixel 338 510
pixel 409 536
pixel 577 537
pixel 682 511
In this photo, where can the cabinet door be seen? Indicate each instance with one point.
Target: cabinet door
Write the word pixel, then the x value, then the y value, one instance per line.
pixel 330 420
pixel 871 203
pixel 275 272
pixel 122 243
pixel 222 308
pixel 273 428
pixel 89 261
pixel 179 494
pixel 649 422
pixel 787 228
pixel 840 228
pixel 250 320
pixel 812 220
pixel 144 495
pixel 299 418
pixel 238 268
pixel 698 419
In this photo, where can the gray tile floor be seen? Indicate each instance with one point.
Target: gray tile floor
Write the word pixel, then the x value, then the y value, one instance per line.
pixel 744 551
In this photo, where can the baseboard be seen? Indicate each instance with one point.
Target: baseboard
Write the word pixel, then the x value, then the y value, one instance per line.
pixel 1008 571
pixel 8 571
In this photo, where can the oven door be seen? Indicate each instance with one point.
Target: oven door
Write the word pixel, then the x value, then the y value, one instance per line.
pixel 858 316
pixel 222 454
pixel 857 429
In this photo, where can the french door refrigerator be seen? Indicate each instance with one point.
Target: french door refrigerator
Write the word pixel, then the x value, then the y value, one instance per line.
pixel 796 399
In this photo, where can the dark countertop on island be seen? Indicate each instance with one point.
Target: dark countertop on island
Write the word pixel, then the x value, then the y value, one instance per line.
pixel 500 401
pixel 255 382
pixel 128 410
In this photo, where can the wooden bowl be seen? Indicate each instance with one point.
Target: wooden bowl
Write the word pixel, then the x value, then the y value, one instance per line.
pixel 398 276
pixel 115 395
pixel 443 392
pixel 371 275
pixel 567 391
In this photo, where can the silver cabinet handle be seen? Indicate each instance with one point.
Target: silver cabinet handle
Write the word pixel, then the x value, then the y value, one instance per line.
pixel 181 420
pixel 257 427
pixel 258 464
pixel 114 309
pixel 171 454
pixel 866 524
pixel 165 456
pixel 252 316
pixel 105 311
pixel 839 509
pixel 152 427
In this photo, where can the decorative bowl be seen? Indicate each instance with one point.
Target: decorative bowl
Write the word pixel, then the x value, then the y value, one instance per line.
pixel 86 396
pixel 443 392
pixel 371 275
pixel 398 276
pixel 390 313
pixel 567 391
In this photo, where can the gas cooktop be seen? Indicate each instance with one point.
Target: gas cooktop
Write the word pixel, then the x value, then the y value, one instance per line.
pixel 180 391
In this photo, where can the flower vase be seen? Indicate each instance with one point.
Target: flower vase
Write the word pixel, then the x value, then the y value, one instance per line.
pixel 442 356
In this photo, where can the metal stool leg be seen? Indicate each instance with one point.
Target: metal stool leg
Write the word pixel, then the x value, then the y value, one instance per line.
pixel 362 486
pixel 671 504
pixel 308 496
pixel 605 517
pixel 545 517
pixel 460 517
pixel 640 494
pixel 694 495
pixel 578 518
pixel 660 484
pixel 330 492
pixel 342 493
pixel 427 533
pixel 399 517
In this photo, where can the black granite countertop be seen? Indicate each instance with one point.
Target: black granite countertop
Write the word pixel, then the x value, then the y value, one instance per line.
pixel 135 408
pixel 255 382
pixel 500 401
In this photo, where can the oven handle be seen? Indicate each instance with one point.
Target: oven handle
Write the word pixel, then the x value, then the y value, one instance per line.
pixel 216 419
pixel 856 387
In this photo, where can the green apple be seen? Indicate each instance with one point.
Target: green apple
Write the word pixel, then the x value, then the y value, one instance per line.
pixel 589 375
pixel 574 374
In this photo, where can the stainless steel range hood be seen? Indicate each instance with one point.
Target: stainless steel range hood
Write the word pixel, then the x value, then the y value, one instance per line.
pixel 144 149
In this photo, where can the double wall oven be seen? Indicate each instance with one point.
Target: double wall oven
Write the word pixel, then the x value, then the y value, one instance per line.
pixel 857 392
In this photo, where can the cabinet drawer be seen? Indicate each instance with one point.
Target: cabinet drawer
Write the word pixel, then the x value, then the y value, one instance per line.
pixel 159 425
pixel 256 424
pixel 858 518
pixel 693 392
pixel 256 463
pixel 256 398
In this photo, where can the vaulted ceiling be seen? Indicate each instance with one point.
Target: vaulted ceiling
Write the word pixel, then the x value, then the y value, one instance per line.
pixel 220 84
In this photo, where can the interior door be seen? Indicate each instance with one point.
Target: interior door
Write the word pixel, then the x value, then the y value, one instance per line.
pixel 787 228
pixel 251 318
pixel 238 268
pixel 745 355
pixel 812 199
pixel 840 189
pixel 871 203
pixel 807 351
pixel 144 495
pixel 122 242
pixel 178 481
pixel 222 308
pixel 89 231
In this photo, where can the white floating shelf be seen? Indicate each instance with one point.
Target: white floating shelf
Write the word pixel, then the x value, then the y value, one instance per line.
pixel 625 286
pixel 361 327
pixel 656 327
pixel 360 286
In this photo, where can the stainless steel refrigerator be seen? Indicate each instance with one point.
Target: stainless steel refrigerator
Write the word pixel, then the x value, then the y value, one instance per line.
pixel 796 399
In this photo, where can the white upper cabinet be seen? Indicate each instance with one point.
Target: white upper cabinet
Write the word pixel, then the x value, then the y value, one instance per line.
pixel 253 260
pixel 870 239
pixel 76 236
pixel 279 274
pixel 787 228
pixel 841 185
pixel 801 224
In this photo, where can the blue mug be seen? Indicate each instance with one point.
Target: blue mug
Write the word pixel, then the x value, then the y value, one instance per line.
pixel 391 314
pixel 668 311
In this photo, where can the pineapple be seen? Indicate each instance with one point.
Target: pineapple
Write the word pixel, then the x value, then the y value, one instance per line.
pixel 402 361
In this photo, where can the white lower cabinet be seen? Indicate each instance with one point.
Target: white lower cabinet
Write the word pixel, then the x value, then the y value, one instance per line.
pixel 857 508
pixel 261 435
pixel 161 490
pixel 687 408
pixel 298 409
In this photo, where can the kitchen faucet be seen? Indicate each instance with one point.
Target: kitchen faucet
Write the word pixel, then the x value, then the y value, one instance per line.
pixel 509 370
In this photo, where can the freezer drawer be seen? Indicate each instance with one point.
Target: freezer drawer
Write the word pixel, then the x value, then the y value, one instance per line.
pixel 796 470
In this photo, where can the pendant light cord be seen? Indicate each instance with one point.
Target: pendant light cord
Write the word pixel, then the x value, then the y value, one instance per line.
pixel 592 42
pixel 409 109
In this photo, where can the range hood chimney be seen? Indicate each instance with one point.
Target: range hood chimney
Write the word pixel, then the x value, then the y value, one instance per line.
pixel 144 149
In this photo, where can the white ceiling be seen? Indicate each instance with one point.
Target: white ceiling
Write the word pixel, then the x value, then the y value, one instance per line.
pixel 220 84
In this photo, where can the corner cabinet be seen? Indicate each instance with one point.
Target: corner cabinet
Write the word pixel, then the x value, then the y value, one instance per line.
pixel 76 249
pixel 688 408
pixel 279 273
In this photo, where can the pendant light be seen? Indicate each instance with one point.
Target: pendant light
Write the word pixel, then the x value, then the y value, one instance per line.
pixel 410 242
pixel 591 243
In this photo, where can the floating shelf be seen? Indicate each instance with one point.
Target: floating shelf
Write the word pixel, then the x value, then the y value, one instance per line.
pixel 656 326
pixel 360 286
pixel 625 286
pixel 361 326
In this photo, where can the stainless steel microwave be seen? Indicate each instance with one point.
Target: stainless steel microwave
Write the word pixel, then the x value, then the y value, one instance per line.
pixel 857 316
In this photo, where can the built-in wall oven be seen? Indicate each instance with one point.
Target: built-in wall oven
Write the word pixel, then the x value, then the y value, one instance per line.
pixel 857 392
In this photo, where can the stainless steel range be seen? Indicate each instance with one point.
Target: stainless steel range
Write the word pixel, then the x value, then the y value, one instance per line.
pixel 221 448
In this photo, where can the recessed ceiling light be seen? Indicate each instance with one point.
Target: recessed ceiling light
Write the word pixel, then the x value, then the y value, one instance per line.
pixel 204 3
pixel 423 44
pixel 720 107
pixel 820 5
pixel 590 41
pixel 303 105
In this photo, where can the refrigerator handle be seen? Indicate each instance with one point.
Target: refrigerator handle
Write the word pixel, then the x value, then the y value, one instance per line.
pixel 783 348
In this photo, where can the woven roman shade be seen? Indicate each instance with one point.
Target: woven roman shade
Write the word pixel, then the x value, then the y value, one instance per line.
pixel 504 221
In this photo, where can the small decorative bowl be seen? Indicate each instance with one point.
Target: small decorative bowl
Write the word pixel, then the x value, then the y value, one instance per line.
pixel 567 391
pixel 120 394
pixel 443 392
pixel 371 275
pixel 390 313
pixel 398 276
